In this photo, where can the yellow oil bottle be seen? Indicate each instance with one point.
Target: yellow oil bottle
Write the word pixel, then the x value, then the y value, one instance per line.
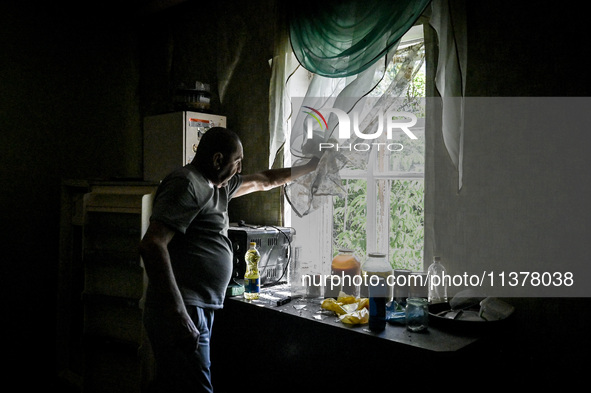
pixel 252 287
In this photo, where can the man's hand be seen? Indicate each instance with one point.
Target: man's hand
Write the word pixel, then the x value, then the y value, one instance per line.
pixel 188 335
pixel 179 330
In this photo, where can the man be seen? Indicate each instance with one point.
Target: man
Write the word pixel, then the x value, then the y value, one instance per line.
pixel 188 256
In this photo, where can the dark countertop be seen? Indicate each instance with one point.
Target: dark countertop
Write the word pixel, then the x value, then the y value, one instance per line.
pixel 433 339
pixel 298 345
pixel 300 349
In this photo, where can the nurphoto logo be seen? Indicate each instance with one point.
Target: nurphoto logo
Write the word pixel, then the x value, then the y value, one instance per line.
pixel 394 120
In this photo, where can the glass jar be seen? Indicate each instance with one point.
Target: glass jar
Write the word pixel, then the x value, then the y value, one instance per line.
pixel 347 269
pixel 377 265
pixel 417 314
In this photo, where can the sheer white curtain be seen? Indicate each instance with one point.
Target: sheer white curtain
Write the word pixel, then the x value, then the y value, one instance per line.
pixel 283 66
pixel 287 119
pixel 449 21
pixel 339 93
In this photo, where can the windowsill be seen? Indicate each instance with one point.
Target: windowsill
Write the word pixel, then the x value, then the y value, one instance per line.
pixel 296 348
pixel 432 339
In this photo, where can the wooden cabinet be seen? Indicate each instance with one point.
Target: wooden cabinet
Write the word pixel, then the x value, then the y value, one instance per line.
pixel 101 340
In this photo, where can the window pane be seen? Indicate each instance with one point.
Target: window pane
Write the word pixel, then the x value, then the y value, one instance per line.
pixel 350 218
pixel 410 159
pixel 406 224
pixel 390 178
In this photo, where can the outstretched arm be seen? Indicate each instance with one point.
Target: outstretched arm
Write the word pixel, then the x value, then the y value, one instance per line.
pixel 266 180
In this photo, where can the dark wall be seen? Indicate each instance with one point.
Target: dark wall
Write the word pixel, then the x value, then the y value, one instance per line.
pixel 228 45
pixel 518 49
pixel 522 206
pixel 68 109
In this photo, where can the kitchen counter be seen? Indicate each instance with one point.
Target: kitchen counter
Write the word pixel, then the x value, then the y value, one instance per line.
pixel 292 342
pixel 432 339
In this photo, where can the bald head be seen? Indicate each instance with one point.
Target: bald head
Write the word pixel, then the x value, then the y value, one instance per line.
pixel 217 139
pixel 218 149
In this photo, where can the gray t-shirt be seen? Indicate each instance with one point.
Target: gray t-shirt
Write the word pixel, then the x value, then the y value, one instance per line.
pixel 200 251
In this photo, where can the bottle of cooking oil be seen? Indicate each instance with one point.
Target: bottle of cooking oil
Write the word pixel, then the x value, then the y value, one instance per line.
pixel 252 285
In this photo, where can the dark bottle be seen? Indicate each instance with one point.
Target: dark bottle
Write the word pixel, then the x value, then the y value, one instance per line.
pixel 378 293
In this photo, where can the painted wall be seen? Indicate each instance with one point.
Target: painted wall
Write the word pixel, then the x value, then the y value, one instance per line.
pixel 228 45
pixel 68 109
pixel 526 185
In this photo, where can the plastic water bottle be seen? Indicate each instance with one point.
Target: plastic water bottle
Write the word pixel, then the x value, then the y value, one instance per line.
pixel 252 286
pixel 437 284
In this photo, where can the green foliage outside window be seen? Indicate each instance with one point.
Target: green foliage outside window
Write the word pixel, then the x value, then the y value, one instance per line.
pixel 406 221
pixel 350 218
pixel 406 224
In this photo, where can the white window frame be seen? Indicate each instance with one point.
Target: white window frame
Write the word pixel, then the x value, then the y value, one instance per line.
pixel 372 176
pixel 314 231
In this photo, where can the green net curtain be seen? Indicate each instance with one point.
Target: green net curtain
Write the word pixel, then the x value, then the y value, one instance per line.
pixel 342 38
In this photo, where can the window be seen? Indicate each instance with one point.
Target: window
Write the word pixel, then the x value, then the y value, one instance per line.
pixel 382 210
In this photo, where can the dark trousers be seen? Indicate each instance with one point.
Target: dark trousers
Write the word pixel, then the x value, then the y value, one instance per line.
pixel 178 370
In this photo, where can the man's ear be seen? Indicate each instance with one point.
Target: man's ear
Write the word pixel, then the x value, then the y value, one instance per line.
pixel 217 160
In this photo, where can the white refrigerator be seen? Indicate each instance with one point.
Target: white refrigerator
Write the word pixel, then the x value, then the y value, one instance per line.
pixel 171 139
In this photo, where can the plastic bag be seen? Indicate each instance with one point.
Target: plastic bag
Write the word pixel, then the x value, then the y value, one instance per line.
pixel 351 310
pixel 357 317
